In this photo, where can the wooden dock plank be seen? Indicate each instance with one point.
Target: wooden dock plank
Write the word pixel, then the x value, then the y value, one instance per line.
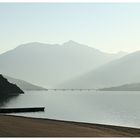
pixel 21 110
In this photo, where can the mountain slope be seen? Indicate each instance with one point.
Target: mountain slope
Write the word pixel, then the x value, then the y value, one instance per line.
pixel 23 84
pixel 126 87
pixel 49 65
pixel 118 72
pixel 7 87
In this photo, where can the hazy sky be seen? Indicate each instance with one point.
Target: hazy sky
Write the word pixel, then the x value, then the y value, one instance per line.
pixel 108 27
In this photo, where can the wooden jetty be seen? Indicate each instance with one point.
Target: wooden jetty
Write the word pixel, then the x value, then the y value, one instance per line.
pixel 21 110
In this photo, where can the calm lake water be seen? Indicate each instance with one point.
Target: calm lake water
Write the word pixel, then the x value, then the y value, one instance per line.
pixel 114 108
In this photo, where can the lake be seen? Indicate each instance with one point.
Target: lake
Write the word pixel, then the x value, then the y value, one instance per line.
pixel 103 107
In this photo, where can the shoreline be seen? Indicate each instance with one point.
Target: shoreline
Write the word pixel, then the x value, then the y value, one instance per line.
pixel 20 126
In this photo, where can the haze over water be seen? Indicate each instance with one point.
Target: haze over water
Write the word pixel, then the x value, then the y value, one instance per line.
pixel 114 108
pixel 73 46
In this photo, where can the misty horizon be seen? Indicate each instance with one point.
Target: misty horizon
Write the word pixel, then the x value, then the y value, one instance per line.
pixel 109 27
pixel 60 44
pixel 73 68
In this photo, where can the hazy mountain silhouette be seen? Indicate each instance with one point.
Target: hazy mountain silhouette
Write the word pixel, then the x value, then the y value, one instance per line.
pixel 23 84
pixel 125 87
pixel 51 64
pixel 117 72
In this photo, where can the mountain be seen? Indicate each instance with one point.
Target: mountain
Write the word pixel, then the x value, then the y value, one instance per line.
pixel 23 84
pixel 125 87
pixel 51 64
pixel 118 72
pixel 8 88
pixel 120 54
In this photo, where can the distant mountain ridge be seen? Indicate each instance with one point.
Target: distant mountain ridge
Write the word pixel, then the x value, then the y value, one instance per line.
pixel 23 84
pixel 125 87
pixel 49 65
pixel 117 72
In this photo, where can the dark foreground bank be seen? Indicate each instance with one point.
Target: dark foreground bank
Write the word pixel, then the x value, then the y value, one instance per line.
pixel 12 126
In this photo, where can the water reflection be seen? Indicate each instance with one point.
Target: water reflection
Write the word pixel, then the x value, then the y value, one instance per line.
pixel 5 99
pixel 112 108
